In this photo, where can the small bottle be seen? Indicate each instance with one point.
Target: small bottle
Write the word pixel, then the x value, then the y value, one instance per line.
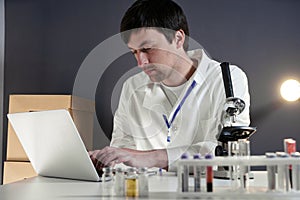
pixel 131 182
pixel 143 182
pixel 119 182
pixel 107 181
pixel 107 174
pixel 197 175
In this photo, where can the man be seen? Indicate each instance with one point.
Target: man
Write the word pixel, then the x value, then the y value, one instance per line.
pixel 176 104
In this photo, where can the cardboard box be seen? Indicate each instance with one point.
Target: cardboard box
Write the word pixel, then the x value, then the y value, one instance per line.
pixel 16 171
pixel 81 110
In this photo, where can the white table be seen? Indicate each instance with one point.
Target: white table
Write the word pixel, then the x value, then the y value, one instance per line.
pixel 160 187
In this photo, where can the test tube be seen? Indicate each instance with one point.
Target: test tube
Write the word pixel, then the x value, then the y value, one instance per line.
pixel 185 174
pixel 290 147
pixel 283 173
pixel 244 150
pixel 296 172
pixel 271 170
pixel 197 175
pixel 233 150
pixel 209 175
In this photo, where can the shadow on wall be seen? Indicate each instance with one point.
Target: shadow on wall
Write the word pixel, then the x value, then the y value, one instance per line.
pixel 260 114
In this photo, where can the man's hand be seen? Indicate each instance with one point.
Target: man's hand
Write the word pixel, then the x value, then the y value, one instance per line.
pixel 109 156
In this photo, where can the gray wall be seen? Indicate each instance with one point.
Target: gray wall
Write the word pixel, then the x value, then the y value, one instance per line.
pixel 47 42
pixel 1 79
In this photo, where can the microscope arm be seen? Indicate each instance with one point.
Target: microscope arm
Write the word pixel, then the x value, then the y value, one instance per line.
pixel 227 79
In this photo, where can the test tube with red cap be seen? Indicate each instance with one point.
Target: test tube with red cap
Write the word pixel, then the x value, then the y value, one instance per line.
pixel 290 147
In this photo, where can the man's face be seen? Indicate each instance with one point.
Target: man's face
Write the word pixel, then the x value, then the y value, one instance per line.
pixel 155 55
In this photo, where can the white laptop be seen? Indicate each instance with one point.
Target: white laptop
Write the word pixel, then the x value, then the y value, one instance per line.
pixel 53 144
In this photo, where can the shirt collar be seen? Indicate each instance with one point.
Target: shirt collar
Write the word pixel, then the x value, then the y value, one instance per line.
pixel 154 94
pixel 203 61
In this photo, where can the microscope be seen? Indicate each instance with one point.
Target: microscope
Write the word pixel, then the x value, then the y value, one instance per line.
pixel 231 134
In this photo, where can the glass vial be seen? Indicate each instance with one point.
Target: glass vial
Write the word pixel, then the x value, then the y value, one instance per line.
pixel 296 172
pixel 119 182
pixel 131 182
pixel 244 150
pixel 107 181
pixel 271 172
pixel 143 182
pixel 184 174
pixel 283 173
pixel 107 174
pixel 233 150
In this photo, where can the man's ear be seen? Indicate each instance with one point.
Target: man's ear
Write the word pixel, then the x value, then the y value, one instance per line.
pixel 179 38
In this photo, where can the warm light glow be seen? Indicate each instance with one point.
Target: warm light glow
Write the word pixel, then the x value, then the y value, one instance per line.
pixel 290 90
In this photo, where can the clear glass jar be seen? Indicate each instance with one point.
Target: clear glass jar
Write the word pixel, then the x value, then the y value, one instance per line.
pixel 119 182
pixel 107 181
pixel 131 183
pixel 107 174
pixel 143 182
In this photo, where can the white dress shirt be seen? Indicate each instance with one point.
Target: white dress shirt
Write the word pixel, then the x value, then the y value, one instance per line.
pixel 139 123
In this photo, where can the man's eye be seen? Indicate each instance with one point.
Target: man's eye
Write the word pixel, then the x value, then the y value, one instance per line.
pixel 145 50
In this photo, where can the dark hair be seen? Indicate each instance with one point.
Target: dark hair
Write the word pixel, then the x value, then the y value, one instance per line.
pixel 164 15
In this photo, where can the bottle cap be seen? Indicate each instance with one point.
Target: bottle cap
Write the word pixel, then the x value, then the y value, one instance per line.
pixel 270 155
pixel 107 169
pixel 197 156
pixel 295 154
pixel 282 154
pixel 184 156
pixel 143 169
pixel 131 169
pixel 119 169
pixel 208 156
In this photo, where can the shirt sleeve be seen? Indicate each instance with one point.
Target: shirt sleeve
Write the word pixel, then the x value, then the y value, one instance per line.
pixel 121 136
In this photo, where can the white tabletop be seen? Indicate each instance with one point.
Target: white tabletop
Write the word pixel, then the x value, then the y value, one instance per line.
pixel 160 187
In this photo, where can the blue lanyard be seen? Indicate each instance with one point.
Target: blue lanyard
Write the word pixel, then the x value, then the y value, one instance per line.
pixel 169 124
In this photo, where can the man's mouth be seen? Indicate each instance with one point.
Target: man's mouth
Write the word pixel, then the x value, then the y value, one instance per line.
pixel 149 70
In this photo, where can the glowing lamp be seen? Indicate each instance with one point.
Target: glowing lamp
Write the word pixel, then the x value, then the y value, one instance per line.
pixel 290 90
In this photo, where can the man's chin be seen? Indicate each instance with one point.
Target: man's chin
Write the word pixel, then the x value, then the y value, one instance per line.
pixel 155 79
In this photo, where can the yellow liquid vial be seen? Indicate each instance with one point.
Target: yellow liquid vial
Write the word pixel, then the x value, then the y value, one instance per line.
pixel 132 187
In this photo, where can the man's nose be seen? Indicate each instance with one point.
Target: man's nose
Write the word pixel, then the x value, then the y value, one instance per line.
pixel 142 59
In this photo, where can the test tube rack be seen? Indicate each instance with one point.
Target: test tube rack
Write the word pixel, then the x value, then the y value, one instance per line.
pixel 227 189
